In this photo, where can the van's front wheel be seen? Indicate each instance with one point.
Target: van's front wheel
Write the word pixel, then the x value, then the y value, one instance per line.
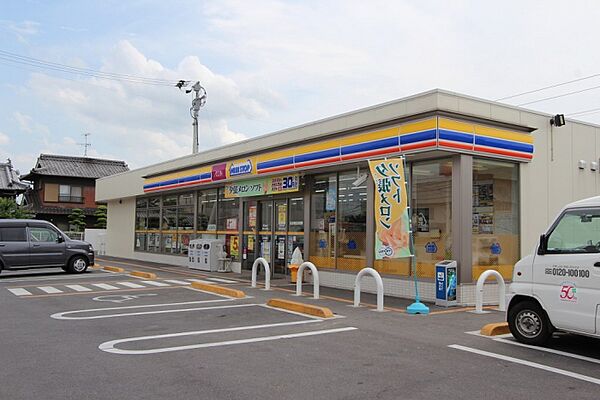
pixel 529 323
pixel 77 265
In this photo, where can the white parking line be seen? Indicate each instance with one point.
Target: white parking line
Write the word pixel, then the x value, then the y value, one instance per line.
pixel 105 286
pixel 54 278
pixel 155 283
pixel 176 282
pixel 49 289
pixel 110 346
pixel 527 363
pixel 222 280
pixel 201 281
pixel 62 315
pixel 547 350
pixel 79 288
pixel 20 292
pixel 131 285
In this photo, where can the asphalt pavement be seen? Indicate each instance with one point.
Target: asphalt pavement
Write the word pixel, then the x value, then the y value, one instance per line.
pixel 103 335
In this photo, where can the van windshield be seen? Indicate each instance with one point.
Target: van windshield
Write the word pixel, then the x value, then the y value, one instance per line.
pixel 577 231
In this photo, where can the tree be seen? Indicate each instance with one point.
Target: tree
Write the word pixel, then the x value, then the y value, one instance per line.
pixel 10 209
pixel 101 217
pixel 77 219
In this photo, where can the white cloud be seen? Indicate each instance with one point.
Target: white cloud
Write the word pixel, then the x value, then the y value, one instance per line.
pixel 4 139
pixel 27 125
pixel 21 29
pixel 149 123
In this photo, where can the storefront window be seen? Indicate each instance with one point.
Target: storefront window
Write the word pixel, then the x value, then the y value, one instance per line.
pixel 227 224
pixel 323 200
pixel 141 224
pixel 495 241
pixel 169 230
pixel 432 214
pixel 207 212
pixel 352 227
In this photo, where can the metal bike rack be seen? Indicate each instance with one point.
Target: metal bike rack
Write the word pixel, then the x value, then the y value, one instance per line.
pixel 315 274
pixel 378 281
pixel 479 291
pixel 265 264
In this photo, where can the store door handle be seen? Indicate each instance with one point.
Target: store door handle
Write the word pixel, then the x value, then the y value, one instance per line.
pixel 597 264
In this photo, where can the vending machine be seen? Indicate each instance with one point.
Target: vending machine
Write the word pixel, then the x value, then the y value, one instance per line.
pixel 445 283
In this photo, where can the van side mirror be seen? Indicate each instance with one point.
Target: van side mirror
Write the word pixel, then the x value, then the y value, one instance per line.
pixel 60 239
pixel 542 245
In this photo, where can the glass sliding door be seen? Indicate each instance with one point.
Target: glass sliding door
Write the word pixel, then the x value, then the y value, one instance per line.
pixel 323 220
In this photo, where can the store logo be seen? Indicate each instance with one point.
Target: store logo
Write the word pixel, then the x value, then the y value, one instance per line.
pixel 240 169
pixel 219 172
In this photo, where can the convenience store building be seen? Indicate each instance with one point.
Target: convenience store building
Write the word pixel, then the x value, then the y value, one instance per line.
pixel 485 180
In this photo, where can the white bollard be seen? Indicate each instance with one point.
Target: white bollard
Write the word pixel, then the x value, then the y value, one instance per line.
pixel 479 290
pixel 265 264
pixel 315 274
pixel 378 281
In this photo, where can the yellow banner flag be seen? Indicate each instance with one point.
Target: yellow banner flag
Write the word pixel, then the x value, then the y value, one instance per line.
pixel 392 231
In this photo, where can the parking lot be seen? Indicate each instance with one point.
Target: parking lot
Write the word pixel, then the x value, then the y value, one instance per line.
pixel 110 335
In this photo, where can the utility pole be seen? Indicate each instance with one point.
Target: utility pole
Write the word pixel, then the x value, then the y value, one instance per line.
pixel 86 144
pixel 199 101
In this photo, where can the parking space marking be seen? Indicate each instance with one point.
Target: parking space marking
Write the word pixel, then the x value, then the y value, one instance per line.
pixel 52 278
pixel 201 281
pixel 20 292
pixel 527 363
pixel 222 280
pixel 176 282
pixel 79 288
pixel 109 346
pixel 130 285
pixel 548 350
pixel 49 289
pixel 105 286
pixel 155 283
pixel 63 315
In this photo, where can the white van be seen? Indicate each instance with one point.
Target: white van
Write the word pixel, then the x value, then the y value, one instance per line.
pixel 558 287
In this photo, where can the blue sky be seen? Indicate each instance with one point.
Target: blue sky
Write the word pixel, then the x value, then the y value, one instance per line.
pixel 268 65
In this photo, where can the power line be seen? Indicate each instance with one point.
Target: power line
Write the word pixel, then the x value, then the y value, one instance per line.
pixel 47 65
pixel 549 87
pixel 580 113
pixel 560 95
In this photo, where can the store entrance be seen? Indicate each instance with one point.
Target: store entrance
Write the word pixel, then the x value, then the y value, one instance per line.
pixel 273 228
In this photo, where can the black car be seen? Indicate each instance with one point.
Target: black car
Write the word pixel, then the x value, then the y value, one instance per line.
pixel 26 243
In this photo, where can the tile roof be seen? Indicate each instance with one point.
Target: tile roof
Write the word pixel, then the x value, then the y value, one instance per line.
pixel 80 167
pixel 9 178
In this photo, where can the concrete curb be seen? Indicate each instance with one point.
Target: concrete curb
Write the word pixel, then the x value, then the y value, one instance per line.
pixel 317 311
pixel 238 294
pixel 113 269
pixel 499 328
pixel 142 274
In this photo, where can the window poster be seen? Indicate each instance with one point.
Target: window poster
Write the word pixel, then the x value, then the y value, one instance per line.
pixel 422 219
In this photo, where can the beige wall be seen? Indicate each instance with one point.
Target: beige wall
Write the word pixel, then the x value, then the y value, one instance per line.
pixel 551 182
pixel 120 228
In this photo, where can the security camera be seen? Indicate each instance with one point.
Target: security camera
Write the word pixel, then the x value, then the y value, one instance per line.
pixel 360 180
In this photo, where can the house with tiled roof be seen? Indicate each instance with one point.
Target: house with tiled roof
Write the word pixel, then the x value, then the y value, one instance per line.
pixel 10 184
pixel 61 183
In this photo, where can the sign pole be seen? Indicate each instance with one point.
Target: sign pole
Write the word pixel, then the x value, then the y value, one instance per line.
pixel 417 307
